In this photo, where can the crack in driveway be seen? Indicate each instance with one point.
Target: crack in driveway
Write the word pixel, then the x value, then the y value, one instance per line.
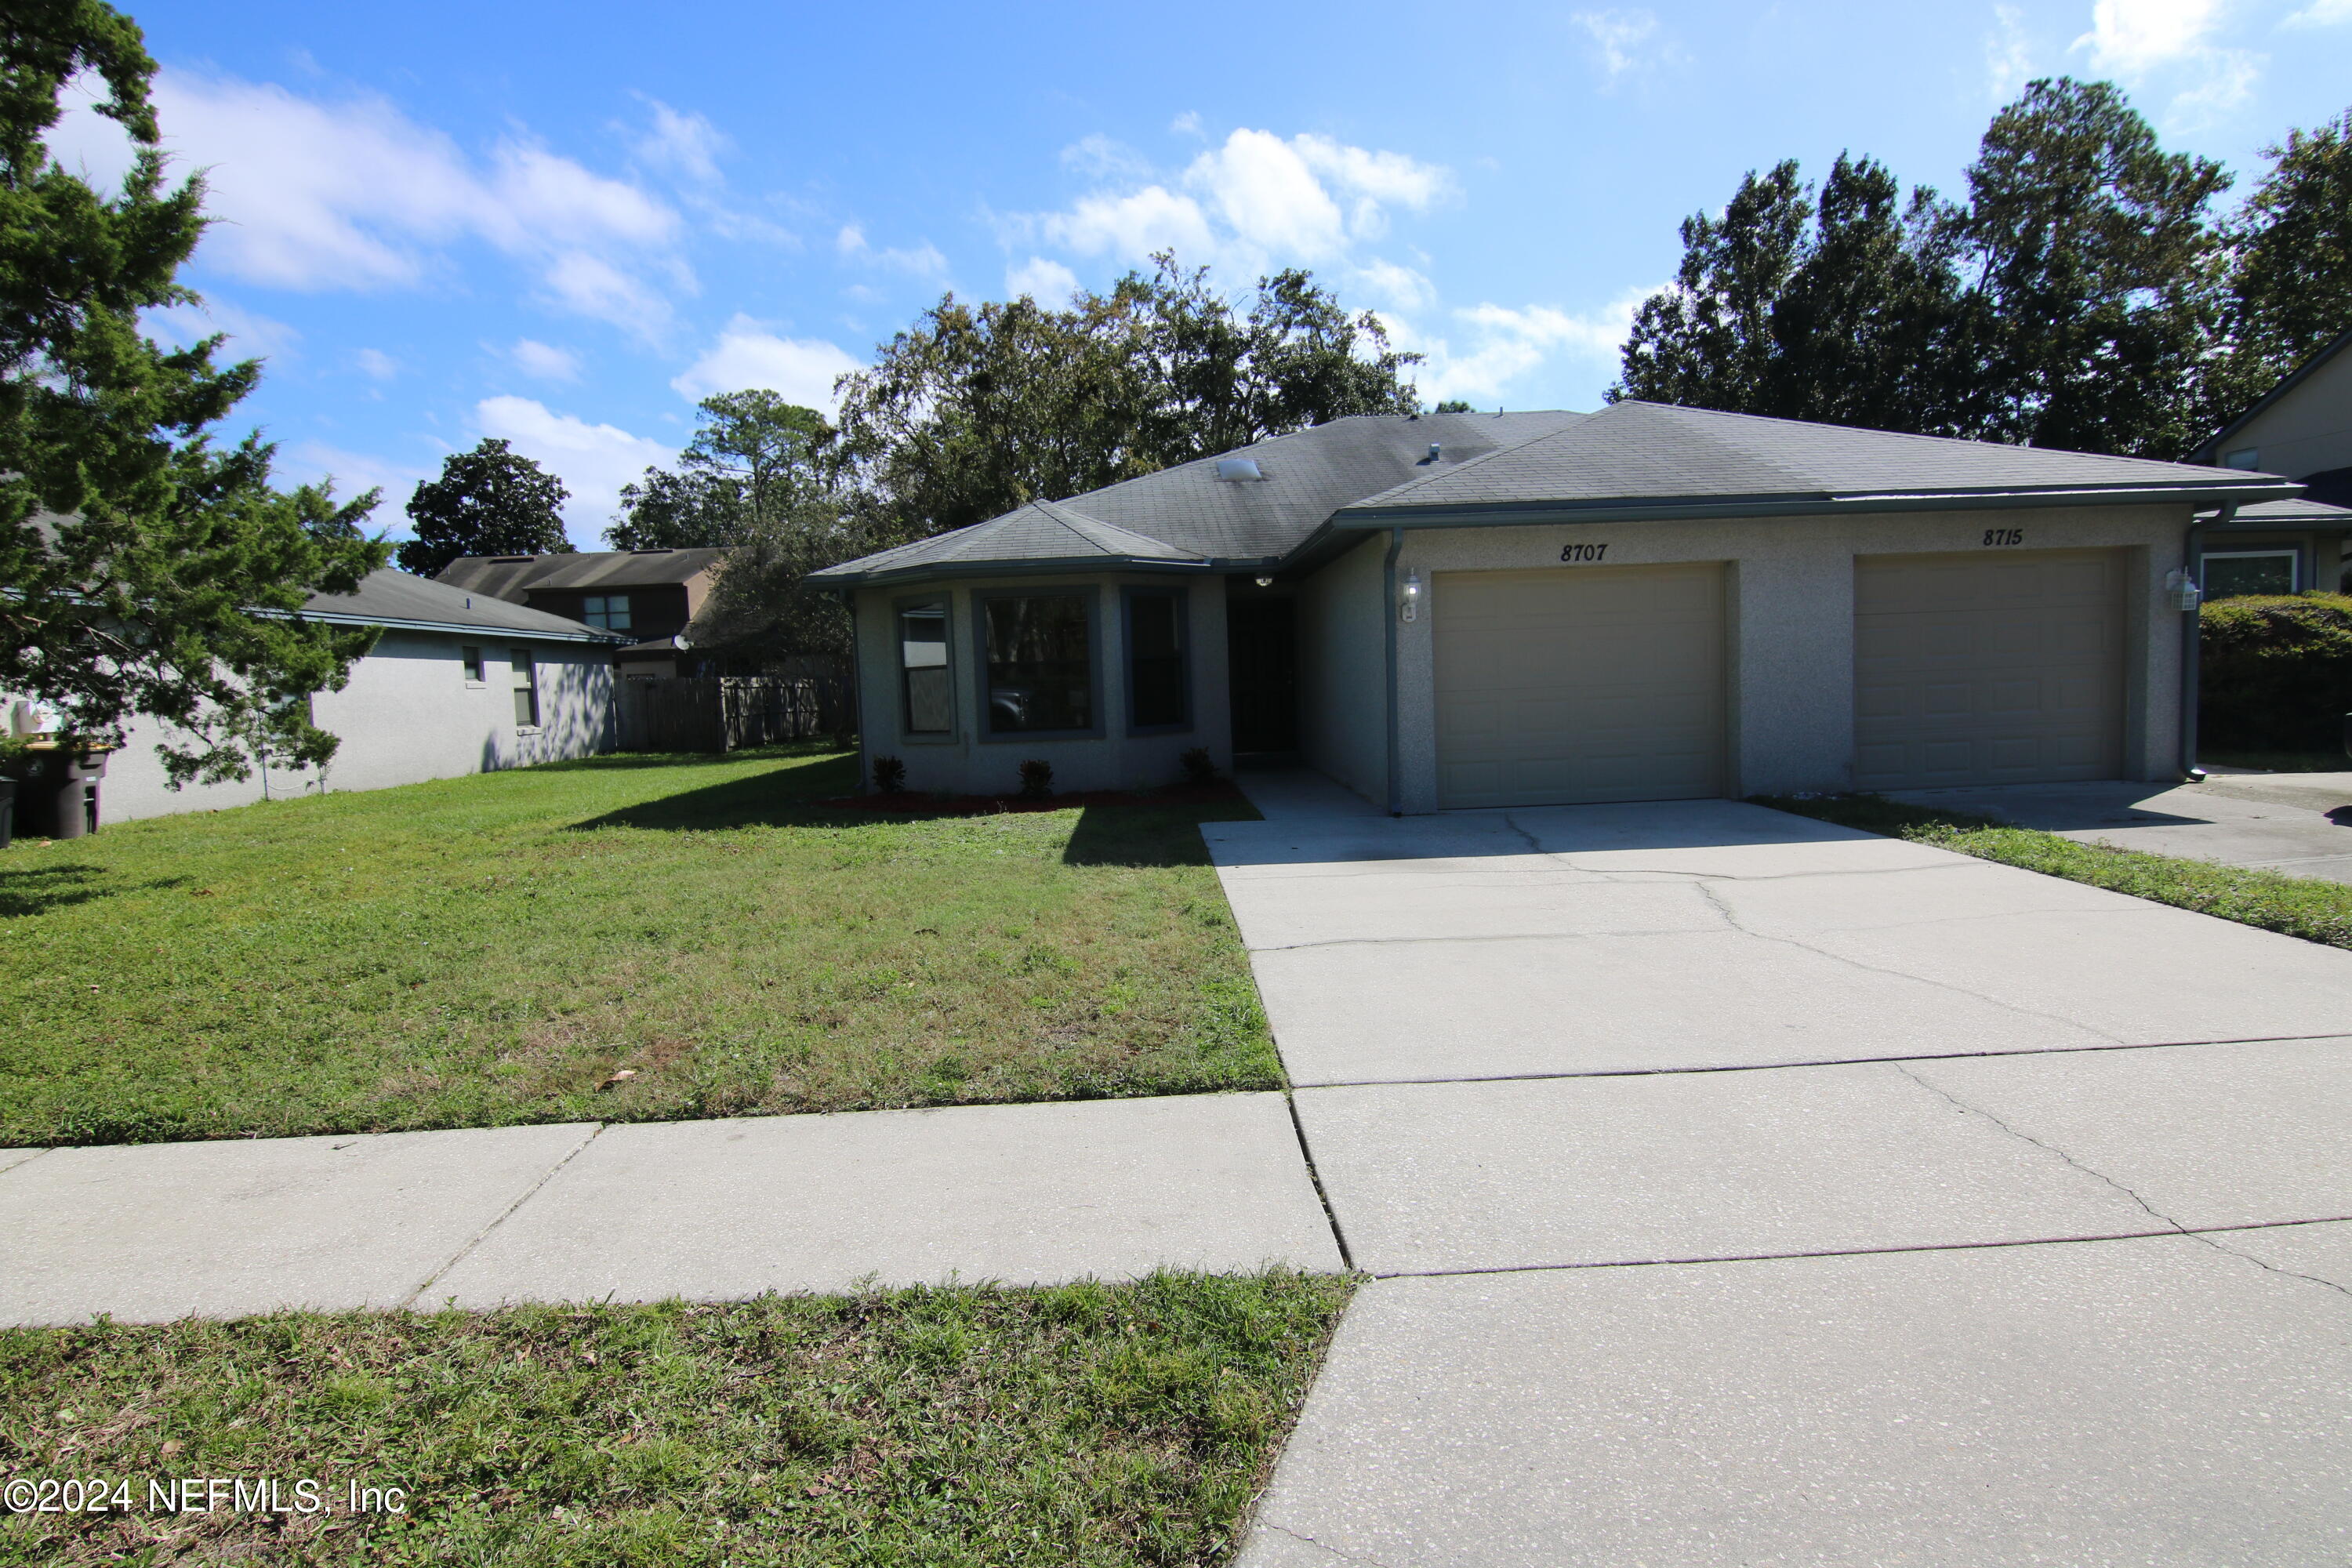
pixel 2092 1170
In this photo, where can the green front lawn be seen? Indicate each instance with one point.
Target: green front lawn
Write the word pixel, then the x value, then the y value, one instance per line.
pixel 1078 1425
pixel 2306 907
pixel 626 938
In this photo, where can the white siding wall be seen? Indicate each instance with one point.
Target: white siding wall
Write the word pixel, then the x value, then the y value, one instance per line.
pixel 970 762
pixel 405 715
pixel 1343 669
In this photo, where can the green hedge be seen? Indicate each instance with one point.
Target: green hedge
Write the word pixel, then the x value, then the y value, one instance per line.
pixel 2276 672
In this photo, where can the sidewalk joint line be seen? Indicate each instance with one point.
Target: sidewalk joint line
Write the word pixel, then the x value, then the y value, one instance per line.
pixel 504 1215
pixel 1824 1062
pixel 1306 1153
pixel 2205 1236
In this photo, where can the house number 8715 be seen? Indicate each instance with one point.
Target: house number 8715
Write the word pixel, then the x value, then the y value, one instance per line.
pixel 1996 537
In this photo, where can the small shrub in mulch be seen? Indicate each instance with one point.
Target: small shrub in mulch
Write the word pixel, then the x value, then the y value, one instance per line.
pixel 889 775
pixel 1036 780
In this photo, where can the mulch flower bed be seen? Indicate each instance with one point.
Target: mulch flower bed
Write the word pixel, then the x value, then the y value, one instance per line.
pixel 914 803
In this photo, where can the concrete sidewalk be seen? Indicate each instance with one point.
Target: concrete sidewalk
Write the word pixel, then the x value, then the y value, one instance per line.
pixel 1743 1189
pixel 2297 823
pixel 707 1210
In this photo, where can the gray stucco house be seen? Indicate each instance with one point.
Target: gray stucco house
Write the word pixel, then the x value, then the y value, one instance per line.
pixel 457 683
pixel 1497 609
pixel 2303 428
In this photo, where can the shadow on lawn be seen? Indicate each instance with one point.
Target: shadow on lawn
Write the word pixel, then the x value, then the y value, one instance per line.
pixel 37 889
pixel 767 799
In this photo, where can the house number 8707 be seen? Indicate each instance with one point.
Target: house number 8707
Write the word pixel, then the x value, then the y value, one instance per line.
pixel 1582 551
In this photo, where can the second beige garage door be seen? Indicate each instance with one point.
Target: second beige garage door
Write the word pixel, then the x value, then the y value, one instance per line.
pixel 1579 684
pixel 1976 669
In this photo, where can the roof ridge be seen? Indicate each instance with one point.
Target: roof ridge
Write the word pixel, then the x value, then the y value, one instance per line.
pixel 1463 467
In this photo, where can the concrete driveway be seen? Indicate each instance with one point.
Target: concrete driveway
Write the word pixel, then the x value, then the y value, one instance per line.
pixel 1743 1189
pixel 2297 823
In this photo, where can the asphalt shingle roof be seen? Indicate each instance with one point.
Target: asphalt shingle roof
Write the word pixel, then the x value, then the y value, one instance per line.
pixel 1369 470
pixel 389 598
pixel 1634 452
pixel 1186 514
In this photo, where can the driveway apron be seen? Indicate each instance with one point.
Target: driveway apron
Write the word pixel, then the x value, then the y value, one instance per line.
pixel 1744 1189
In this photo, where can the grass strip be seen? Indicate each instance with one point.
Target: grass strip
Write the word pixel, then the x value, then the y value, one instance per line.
pixel 2304 907
pixel 1084 1424
pixel 624 938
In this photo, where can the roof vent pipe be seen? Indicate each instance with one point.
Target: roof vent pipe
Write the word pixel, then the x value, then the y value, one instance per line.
pixel 1434 448
pixel 1236 470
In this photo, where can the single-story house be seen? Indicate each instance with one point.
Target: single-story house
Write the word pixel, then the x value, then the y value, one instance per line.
pixel 2302 428
pixel 647 596
pixel 1498 609
pixel 457 683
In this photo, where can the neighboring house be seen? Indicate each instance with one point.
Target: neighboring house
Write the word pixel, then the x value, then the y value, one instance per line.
pixel 458 683
pixel 1490 610
pixel 649 598
pixel 2303 429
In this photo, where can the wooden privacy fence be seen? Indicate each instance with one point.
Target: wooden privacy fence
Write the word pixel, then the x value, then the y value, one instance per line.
pixel 726 713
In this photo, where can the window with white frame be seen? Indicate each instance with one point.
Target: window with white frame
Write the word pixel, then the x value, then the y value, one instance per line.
pixel 2229 574
pixel 526 687
pixel 2244 458
pixel 607 611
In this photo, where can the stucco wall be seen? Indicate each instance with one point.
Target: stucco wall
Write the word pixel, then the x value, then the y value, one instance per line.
pixel 1343 670
pixel 405 715
pixel 2309 430
pixel 970 761
pixel 1790 584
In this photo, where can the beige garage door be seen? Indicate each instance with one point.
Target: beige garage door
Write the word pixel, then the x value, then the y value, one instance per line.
pixel 1987 668
pixel 1579 684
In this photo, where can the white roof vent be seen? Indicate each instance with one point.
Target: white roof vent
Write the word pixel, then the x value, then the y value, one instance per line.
pixel 1238 470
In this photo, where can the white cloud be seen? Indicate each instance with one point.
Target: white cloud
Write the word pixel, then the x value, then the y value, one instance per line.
pixel 1625 41
pixel 250 336
pixel 316 195
pixel 2135 39
pixel 2129 37
pixel 593 460
pixel 923 261
pixel 1132 226
pixel 2321 14
pixel 376 364
pixel 544 361
pixel 86 142
pixel 313 462
pixel 1397 288
pixel 2009 55
pixel 1504 344
pixel 1047 282
pixel 1098 157
pixel 685 145
pixel 747 355
pixel 1253 201
pixel 590 286
pixel 1187 124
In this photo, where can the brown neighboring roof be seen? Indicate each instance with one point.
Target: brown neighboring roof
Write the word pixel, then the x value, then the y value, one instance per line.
pixel 513 576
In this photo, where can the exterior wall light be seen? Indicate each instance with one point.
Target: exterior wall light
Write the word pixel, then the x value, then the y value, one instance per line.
pixel 1411 609
pixel 2183 591
pixel 1265 582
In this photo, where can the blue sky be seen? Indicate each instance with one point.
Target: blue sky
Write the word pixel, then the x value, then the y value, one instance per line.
pixel 563 224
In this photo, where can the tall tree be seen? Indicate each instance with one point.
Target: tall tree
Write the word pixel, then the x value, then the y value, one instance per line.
pixel 489 500
pixel 2071 301
pixel 2097 267
pixel 145 570
pixel 2292 272
pixel 754 459
pixel 976 411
